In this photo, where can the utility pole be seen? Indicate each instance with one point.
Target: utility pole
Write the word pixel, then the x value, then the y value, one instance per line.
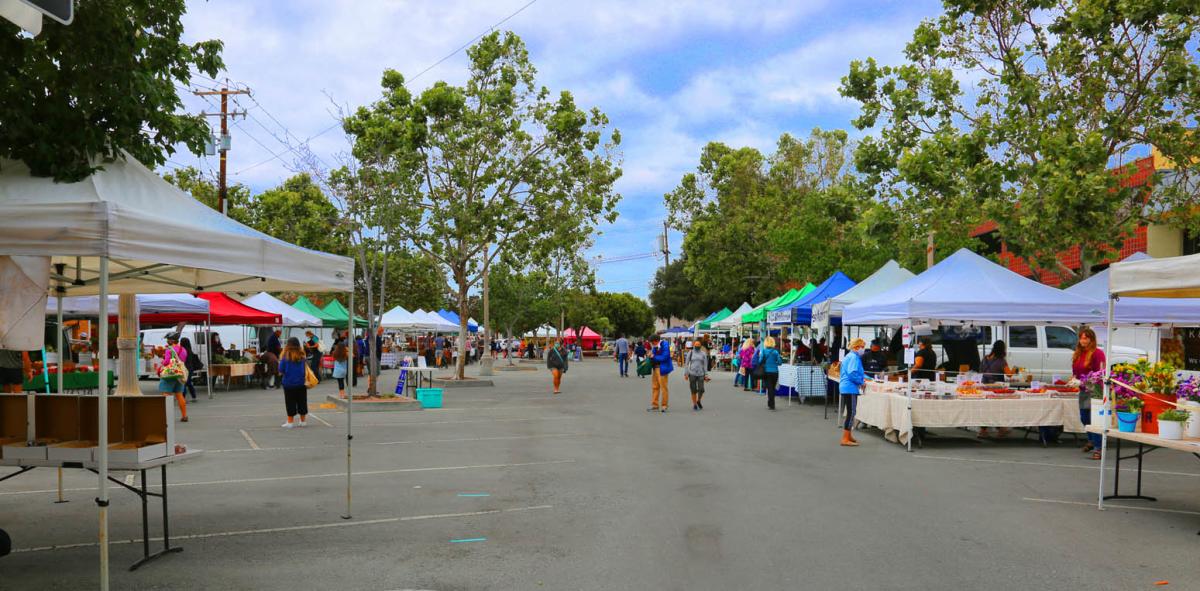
pixel 222 187
pixel 665 245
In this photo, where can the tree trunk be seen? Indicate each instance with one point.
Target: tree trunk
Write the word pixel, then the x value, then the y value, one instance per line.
pixel 460 277
pixel 373 325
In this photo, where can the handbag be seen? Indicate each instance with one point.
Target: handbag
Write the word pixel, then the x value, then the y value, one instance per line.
pixel 310 378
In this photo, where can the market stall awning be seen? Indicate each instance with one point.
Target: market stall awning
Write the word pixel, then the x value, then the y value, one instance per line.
pixel 305 305
pixel 1173 277
pixel 291 316
pixel 707 323
pixel 226 310
pixel 157 308
pixel 800 311
pixel 1133 310
pixel 759 314
pixel 967 288
pixel 454 319
pixel 588 335
pixel 341 316
pixel 431 321
pixel 734 320
pixel 886 277
pixel 158 238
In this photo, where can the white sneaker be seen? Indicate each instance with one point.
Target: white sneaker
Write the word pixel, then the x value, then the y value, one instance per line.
pixel 303 423
pixel 287 425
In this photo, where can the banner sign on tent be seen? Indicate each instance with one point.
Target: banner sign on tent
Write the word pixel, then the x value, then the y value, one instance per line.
pixel 781 316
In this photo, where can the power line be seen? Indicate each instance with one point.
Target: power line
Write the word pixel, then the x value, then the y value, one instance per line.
pixel 473 39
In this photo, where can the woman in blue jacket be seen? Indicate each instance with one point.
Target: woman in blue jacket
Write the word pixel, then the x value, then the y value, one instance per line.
pixel 850 383
pixel 660 358
pixel 295 391
pixel 770 360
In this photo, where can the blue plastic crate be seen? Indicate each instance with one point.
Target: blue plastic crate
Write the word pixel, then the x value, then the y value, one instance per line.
pixel 430 397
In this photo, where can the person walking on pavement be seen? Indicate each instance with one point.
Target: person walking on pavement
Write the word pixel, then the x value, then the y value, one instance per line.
pixel 556 362
pixel 621 352
pixel 639 354
pixel 295 391
pixel 660 360
pixel 769 359
pixel 192 362
pixel 695 368
pixel 312 350
pixel 850 382
pixel 746 364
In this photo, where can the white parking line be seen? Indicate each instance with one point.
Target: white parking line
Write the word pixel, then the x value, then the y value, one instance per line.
pixel 1093 466
pixel 465 422
pixel 415 441
pixel 311 476
pixel 249 439
pixel 319 419
pixel 294 528
pixel 1113 505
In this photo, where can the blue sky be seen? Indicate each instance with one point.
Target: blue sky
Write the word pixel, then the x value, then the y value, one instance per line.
pixel 671 76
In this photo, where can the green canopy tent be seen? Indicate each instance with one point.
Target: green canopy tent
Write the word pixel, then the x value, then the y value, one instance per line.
pixel 304 305
pixel 707 324
pixel 341 315
pixel 759 314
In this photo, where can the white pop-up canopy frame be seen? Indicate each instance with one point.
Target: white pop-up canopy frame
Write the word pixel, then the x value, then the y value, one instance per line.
pixel 291 316
pixel 160 240
pixel 1173 278
pixel 733 321
pixel 890 275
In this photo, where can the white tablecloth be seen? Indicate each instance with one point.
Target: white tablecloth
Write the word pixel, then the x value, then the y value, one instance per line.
pixel 889 412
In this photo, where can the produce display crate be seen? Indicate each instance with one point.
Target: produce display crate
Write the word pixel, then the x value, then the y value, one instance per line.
pixel 13 418
pixel 146 430
pixel 71 381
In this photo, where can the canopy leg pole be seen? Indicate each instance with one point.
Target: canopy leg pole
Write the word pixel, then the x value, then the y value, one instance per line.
pixel 1104 402
pixel 102 427
pixel 350 402
pixel 62 355
pixel 912 429
pixel 208 354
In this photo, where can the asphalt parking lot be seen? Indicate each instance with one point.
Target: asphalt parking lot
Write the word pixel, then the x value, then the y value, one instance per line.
pixel 512 488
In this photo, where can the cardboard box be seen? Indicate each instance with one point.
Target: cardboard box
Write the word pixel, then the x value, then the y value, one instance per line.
pixel 147 429
pixel 134 452
pixel 71 451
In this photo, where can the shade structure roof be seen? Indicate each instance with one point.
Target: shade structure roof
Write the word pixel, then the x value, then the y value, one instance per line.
pixel 886 277
pixel 800 311
pixel 587 335
pixel 290 315
pixel 759 314
pixel 1135 310
pixel 341 315
pixel 456 320
pixel 305 305
pixel 164 308
pixel 544 331
pixel 432 321
pixel 398 318
pixel 226 310
pixel 967 288
pixel 1173 277
pixel 733 320
pixel 157 238
pixel 707 323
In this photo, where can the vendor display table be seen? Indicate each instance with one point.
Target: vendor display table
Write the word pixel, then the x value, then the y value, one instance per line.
pixel 1146 443
pixel 889 412
pixel 89 381
pixel 230 371
pixel 141 491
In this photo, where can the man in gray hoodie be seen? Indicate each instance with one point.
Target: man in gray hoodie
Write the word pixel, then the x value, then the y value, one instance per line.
pixel 695 367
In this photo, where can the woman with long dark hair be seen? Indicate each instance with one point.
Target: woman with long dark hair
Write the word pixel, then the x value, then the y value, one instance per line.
pixel 193 364
pixel 295 392
pixel 1087 358
pixel 994 368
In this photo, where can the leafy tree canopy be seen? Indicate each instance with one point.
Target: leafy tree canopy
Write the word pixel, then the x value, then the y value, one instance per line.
pixel 106 83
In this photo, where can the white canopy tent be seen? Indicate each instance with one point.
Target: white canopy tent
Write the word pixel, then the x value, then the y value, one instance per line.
pixel 543 332
pixel 157 239
pixel 433 321
pixel 733 321
pixel 150 303
pixel 1131 311
pixel 1173 278
pixel 890 275
pixel 966 288
pixel 291 316
pixel 400 319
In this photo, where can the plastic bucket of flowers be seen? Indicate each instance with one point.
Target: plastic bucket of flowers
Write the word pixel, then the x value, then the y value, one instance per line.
pixel 1189 400
pixel 1170 423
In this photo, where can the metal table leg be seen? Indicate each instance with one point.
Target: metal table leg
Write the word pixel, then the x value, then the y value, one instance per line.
pixel 1141 452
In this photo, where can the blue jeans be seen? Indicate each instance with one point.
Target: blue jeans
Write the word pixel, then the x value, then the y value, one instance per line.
pixel 851 409
pixel 1085 416
pixel 623 364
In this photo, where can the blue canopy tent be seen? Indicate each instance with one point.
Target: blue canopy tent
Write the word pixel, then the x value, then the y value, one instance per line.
pixel 452 317
pixel 800 311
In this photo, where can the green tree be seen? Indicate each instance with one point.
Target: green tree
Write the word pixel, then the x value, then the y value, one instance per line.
pixel 193 182
pixel 628 314
pixel 299 212
pixel 495 168
pixel 674 295
pixel 521 301
pixel 105 84
pixel 1014 110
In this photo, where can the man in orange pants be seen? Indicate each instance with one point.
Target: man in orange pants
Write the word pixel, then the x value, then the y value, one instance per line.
pixel 660 359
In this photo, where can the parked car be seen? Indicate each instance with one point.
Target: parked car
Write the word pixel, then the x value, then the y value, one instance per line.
pixel 1044 351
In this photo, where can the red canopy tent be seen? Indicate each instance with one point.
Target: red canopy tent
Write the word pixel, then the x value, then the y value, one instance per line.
pixel 226 310
pixel 591 340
